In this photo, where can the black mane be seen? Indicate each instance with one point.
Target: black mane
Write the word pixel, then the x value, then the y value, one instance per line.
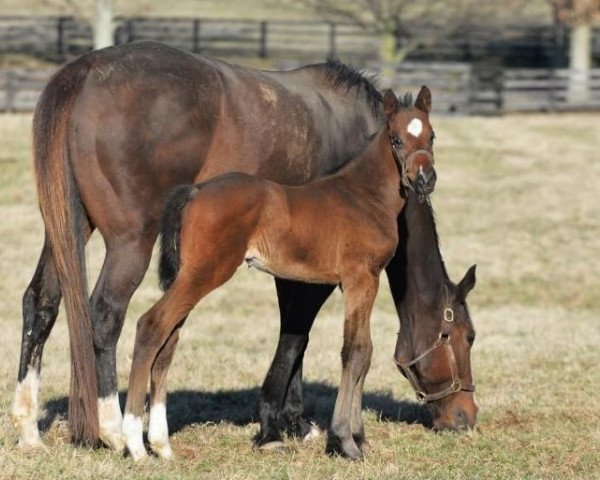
pixel 406 101
pixel 340 75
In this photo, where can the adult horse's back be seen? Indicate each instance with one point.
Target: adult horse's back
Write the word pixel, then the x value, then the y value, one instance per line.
pixel 114 132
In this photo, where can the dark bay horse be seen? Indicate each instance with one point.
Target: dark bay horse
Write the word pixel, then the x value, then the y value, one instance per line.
pixel 339 230
pixel 116 130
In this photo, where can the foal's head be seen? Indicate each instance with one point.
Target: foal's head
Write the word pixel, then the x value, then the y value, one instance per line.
pixel 411 137
pixel 434 353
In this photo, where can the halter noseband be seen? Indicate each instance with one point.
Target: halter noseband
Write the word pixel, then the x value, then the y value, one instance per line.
pixel 443 340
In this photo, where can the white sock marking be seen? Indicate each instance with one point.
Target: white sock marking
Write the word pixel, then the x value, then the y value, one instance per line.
pixel 25 410
pixel 415 127
pixel 158 431
pixel 109 414
pixel 133 430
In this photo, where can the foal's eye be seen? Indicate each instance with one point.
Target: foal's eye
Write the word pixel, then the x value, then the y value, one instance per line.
pixel 396 142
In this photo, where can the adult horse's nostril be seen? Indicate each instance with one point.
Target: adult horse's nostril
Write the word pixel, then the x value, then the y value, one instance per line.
pixel 461 420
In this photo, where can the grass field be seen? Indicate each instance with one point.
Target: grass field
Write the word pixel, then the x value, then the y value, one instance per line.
pixel 516 195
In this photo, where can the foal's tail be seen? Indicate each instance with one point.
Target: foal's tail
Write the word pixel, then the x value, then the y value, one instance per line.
pixel 65 219
pixel 170 227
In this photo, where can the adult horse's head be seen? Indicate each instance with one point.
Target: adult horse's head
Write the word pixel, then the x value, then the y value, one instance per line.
pixel 411 137
pixel 434 353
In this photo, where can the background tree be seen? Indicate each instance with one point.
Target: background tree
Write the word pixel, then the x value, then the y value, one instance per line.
pixel 580 16
pixel 406 25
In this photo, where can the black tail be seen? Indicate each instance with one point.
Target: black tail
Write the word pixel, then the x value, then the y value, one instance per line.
pixel 170 226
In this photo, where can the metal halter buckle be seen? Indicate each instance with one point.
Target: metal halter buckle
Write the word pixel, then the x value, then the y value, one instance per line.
pixel 448 315
pixel 421 397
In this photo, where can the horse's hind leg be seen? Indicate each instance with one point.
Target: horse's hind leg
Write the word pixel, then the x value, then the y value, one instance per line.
pixel 124 267
pixel 158 429
pixel 359 296
pixel 40 308
pixel 281 395
pixel 156 326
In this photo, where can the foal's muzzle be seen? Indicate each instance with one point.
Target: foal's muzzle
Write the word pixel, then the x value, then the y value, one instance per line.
pixel 425 181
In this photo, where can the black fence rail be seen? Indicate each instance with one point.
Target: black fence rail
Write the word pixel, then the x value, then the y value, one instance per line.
pixel 60 38
pixel 458 88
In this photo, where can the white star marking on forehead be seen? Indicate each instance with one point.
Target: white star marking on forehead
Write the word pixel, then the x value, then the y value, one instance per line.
pixel 415 127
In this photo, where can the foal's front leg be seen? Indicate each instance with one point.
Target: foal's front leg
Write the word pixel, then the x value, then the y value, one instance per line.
pixel 359 296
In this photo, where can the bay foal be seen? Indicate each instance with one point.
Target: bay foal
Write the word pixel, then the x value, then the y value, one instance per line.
pixel 339 230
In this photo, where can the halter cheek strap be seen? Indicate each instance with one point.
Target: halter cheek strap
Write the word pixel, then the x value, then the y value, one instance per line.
pixel 443 341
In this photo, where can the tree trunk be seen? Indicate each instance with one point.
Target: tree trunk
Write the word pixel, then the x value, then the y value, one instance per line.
pixel 103 24
pixel 580 51
pixel 387 55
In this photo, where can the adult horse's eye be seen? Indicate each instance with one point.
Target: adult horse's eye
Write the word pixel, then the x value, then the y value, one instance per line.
pixel 432 137
pixel 396 142
pixel 471 338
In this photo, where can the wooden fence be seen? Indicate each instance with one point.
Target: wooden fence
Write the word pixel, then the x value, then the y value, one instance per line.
pixel 60 38
pixel 458 88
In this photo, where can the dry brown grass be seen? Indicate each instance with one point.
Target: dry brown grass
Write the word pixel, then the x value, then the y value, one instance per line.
pixel 516 195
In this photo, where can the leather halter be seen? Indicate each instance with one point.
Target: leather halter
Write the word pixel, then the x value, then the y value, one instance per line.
pixel 443 341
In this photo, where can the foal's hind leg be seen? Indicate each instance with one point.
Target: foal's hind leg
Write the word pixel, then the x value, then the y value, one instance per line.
pixel 155 328
pixel 40 308
pixel 158 429
pixel 281 394
pixel 359 296
pixel 124 267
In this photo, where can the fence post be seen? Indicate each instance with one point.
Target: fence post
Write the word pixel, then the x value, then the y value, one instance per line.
pixel 60 37
pixel 10 92
pixel 263 39
pixel 332 48
pixel 129 31
pixel 196 35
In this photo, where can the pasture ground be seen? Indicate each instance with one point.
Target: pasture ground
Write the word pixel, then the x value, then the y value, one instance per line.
pixel 517 195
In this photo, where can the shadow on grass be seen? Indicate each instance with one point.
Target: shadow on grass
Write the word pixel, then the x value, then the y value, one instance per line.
pixel 185 407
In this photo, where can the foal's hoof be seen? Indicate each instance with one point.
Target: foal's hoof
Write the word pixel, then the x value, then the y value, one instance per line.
pixel 33 443
pixel 273 445
pixel 313 433
pixel 137 454
pixel 345 448
pixel 364 445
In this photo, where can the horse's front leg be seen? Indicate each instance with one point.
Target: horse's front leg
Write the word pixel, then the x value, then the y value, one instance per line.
pixel 281 395
pixel 359 296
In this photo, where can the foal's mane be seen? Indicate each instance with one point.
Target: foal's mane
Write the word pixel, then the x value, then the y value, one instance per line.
pixel 338 75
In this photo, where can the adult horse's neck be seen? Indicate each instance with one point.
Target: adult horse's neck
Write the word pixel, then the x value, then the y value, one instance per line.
pixel 425 275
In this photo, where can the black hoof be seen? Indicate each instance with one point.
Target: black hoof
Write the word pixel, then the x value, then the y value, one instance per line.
pixel 346 448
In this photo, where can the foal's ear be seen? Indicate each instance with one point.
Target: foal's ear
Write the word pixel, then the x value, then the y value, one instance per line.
pixel 423 101
pixel 466 284
pixel 390 104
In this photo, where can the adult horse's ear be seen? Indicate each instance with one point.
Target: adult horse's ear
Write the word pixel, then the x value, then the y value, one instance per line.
pixel 466 284
pixel 390 104
pixel 423 101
